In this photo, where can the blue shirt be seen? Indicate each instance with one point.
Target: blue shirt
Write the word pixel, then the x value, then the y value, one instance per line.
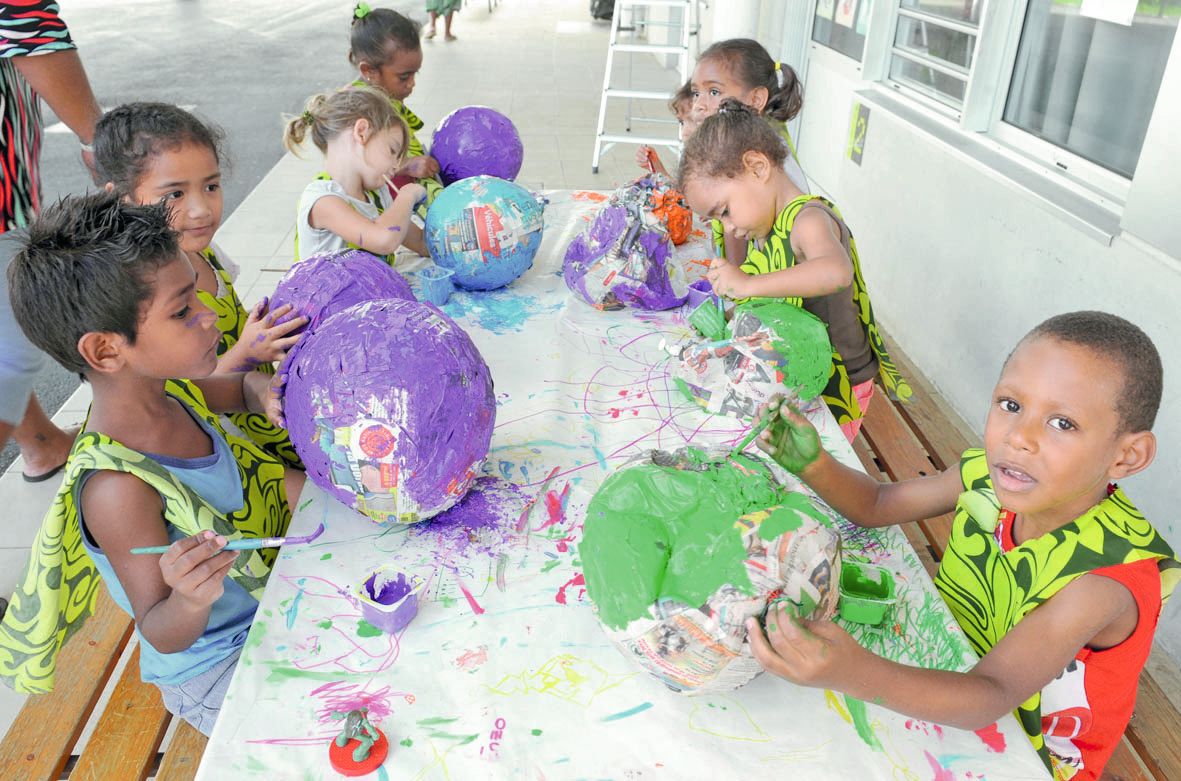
pixel 216 479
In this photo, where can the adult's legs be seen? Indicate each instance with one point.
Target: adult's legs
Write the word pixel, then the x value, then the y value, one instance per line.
pixel 447 36
pixel 43 445
pixel 434 20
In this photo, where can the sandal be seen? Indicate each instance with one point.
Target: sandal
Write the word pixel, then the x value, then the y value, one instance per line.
pixel 430 34
pixel 41 478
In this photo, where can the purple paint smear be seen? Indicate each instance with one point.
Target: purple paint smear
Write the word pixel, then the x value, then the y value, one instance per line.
pixel 481 522
pixel 323 285
pixel 640 278
pixel 390 406
pixel 476 140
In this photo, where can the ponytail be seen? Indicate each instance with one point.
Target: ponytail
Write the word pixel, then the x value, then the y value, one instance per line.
pixel 751 65
pixel 327 115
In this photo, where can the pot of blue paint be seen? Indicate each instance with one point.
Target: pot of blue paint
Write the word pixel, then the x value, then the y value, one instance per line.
pixel 437 284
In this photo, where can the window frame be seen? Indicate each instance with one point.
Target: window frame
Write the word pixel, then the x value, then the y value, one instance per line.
pixel 989 80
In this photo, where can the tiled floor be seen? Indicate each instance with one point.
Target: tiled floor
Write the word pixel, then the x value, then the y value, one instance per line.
pixel 539 61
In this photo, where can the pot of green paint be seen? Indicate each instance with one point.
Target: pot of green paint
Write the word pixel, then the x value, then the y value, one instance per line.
pixel 867 593
pixel 709 318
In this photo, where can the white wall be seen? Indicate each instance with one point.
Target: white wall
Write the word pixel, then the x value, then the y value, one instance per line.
pixel 961 264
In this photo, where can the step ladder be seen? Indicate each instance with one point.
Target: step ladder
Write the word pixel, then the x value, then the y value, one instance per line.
pixel 638 23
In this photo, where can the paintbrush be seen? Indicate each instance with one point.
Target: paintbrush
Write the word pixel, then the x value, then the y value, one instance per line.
pixel 759 428
pixel 249 543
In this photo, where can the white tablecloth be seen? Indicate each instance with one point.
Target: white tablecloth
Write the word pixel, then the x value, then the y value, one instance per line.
pixel 505 672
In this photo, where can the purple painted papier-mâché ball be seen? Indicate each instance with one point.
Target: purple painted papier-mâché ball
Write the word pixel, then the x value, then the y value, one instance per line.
pixel 476 140
pixel 390 406
pixel 327 283
pixel 619 261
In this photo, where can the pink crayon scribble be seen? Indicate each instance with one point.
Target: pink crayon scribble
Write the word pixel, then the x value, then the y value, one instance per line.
pixel 470 660
pixel 341 697
pixel 992 738
pixel 577 580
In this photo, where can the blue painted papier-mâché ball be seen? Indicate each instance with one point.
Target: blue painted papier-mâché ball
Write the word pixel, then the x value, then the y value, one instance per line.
pixel 486 230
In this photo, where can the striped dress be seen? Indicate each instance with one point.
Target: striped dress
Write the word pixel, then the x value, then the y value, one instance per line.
pixel 27 28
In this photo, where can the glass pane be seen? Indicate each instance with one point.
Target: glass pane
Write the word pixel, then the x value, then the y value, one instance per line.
pixel 1090 86
pixel 935 41
pixel 966 11
pixel 840 25
pixel 929 81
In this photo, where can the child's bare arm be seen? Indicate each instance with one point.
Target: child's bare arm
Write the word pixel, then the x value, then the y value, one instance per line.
pixel 170 595
pixel 381 236
pixel 795 445
pixel 241 392
pixel 1033 653
pixel 823 268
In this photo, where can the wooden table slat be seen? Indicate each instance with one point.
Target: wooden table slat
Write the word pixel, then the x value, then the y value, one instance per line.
pixel 1154 731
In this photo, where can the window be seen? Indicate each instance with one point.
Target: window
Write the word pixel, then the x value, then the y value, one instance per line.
pixel 841 25
pixel 934 47
pixel 1089 86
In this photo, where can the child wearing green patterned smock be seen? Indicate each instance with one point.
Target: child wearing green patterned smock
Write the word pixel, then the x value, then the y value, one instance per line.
pixel 103 286
pixel 742 69
pixel 1054 575
pixel 385 49
pixel 798 249
pixel 151 152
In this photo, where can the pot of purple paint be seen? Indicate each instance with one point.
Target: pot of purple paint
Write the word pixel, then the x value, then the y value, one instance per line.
pixel 700 292
pixel 389 599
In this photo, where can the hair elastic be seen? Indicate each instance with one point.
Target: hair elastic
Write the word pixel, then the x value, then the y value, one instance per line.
pixel 778 74
pixel 362 10
pixel 307 117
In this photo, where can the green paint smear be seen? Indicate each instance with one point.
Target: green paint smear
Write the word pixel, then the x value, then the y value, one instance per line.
pixel 801 338
pixel 366 629
pixel 436 720
pixel 325 557
pixel 796 507
pixel 551 564
pixel 536 732
pixel 407 742
pixel 325 624
pixel 280 674
pixel 861 721
pixel 659 532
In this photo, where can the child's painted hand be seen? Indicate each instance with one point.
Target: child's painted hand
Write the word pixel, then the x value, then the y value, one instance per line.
pixel 268 335
pixel 414 191
pixel 791 439
pixel 421 167
pixel 263 394
pixel 809 653
pixel 727 279
pixel 195 568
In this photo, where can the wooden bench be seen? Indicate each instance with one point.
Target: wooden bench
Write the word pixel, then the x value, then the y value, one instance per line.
pixel 901 441
pixel 126 742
